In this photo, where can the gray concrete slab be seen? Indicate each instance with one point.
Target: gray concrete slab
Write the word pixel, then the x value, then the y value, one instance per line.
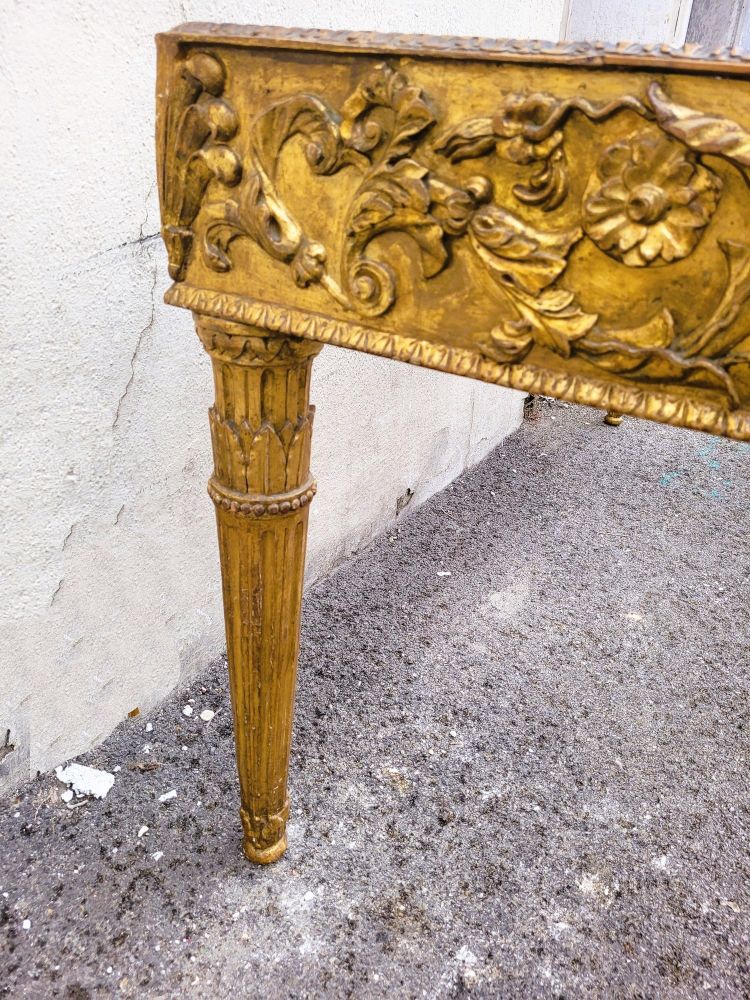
pixel 528 778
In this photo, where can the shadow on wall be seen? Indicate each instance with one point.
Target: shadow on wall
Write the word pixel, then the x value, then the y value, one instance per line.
pixel 14 755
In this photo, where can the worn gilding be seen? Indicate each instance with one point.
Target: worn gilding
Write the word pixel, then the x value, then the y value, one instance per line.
pixel 561 218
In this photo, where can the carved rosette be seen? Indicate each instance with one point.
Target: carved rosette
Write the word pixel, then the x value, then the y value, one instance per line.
pixel 649 201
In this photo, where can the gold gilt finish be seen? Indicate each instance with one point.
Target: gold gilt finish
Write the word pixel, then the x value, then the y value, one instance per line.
pixel 565 219
pixel 261 427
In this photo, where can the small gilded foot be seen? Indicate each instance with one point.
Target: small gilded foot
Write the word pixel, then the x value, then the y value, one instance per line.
pixel 613 418
pixel 265 836
pixel 265 855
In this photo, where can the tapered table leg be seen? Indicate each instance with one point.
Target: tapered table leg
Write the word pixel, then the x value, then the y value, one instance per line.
pixel 261 427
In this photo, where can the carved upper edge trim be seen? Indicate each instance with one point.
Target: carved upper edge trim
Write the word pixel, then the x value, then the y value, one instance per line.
pixel 691 57
pixel 634 400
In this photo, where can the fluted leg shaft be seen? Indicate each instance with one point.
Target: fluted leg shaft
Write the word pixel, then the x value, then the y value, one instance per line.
pixel 261 429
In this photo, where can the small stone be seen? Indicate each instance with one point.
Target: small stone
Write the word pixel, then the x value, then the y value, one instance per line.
pixel 26 925
pixel 444 572
pixel 157 855
pixel 149 727
pixel 468 978
pixel 67 795
pixel 187 710
pixel 171 794
pixel 207 714
pixel 142 832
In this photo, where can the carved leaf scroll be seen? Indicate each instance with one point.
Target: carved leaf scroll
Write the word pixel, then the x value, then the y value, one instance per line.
pixel 394 193
pixel 200 152
pixel 526 129
pixel 700 131
pixel 649 201
pixel 525 262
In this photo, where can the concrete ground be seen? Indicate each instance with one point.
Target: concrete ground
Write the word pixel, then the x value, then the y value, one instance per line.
pixel 520 765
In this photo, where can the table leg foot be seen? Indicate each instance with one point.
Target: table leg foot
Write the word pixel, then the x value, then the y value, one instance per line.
pixel 265 836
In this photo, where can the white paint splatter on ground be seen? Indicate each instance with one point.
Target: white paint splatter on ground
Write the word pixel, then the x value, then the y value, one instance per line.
pixel 86 780
pixel 509 601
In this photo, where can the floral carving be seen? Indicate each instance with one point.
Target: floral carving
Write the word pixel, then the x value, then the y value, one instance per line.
pixel 649 201
pixel 394 194
pixel 526 129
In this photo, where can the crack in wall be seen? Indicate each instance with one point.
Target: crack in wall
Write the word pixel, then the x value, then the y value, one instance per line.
pixel 69 532
pixel 143 240
pixel 56 591
pixel 63 547
pixel 141 236
pixel 134 357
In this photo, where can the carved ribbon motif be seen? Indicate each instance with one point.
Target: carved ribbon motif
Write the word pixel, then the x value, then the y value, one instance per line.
pixel 648 203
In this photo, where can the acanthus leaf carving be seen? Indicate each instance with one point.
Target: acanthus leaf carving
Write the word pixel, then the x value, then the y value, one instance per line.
pixel 199 153
pixel 648 203
pixel 528 129
pixel 262 459
pixel 700 131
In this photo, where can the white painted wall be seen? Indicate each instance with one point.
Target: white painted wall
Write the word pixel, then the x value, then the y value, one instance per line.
pixel 623 20
pixel 109 579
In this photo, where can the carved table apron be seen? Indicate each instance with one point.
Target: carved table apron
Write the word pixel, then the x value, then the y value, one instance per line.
pixel 566 219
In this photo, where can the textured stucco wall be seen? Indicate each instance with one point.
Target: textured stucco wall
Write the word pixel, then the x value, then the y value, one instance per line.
pixel 109 575
pixel 110 584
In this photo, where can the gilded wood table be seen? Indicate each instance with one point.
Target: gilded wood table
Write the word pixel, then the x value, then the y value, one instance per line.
pixel 562 218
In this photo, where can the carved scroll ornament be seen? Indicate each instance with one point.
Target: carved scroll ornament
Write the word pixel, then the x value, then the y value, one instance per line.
pixel 648 203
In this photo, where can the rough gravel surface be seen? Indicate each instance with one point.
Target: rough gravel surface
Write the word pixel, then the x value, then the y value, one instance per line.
pixel 527 778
